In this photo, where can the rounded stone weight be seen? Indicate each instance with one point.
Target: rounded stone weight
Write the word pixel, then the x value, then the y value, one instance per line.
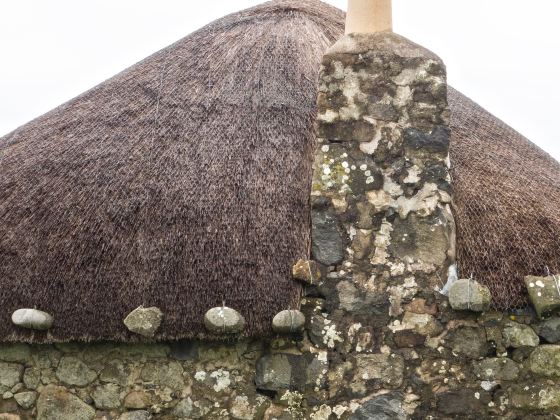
pixel 288 321
pixel 469 295
pixel 144 321
pixel 224 320
pixel 32 319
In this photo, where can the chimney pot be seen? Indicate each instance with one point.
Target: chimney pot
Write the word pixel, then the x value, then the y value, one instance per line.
pixel 369 16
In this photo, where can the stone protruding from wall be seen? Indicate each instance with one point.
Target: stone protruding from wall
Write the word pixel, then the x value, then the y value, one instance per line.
pixel 544 293
pixel 32 319
pixel 144 321
pixel 381 186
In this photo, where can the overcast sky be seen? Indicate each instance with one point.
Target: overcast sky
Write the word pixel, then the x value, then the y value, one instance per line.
pixel 504 54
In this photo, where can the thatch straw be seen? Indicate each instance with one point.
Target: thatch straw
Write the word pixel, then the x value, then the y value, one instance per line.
pixel 180 183
pixel 506 205
pixel 184 181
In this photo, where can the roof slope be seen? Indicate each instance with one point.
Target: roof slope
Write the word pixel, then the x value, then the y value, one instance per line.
pixel 506 204
pixel 180 183
pixel 184 182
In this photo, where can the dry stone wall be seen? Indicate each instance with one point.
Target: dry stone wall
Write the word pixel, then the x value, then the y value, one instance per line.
pixel 380 341
pixel 458 365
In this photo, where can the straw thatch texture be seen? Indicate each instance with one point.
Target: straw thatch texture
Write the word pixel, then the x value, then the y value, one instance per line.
pixel 179 183
pixel 506 204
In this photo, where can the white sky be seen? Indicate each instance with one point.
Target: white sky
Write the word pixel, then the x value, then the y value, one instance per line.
pixel 504 54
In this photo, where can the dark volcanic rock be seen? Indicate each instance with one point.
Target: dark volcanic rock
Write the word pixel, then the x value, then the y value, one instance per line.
pixel 410 339
pixel 462 402
pixel 327 244
pixel 550 330
pixel 385 407
pixel 469 342
pixel 436 142
pixel 289 371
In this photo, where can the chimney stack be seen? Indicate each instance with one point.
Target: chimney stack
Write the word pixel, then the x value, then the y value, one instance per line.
pixel 369 16
pixel 381 195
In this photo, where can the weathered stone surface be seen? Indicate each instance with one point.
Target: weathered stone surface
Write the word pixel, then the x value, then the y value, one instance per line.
pixel 521 354
pixel 32 378
pixel 544 293
pixel 468 341
pixel 421 205
pixel 519 335
pixel 224 320
pixel 469 295
pixel 317 331
pixel 274 372
pixel 384 407
pixel 327 244
pixel 169 374
pixel 545 360
pixel 187 409
pixel 388 369
pixel 136 415
pixel 306 271
pixel 349 296
pixel 277 412
pixel 420 142
pixel 106 397
pixel 550 330
pixel 32 319
pixel 404 339
pixel 10 375
pixel 342 169
pixel 488 385
pixel 462 402
pixel 535 397
pixel 56 403
pixel 18 352
pixel 115 371
pixel 288 321
pixel 72 371
pixel 494 336
pixel 26 400
pixel 420 238
pixel 8 416
pixel 424 324
pixel 382 43
pixel 288 371
pixel 383 112
pixel 500 369
pixel 362 244
pixel 144 321
pixel 242 409
pixel 382 163
pixel 359 131
pixel 420 306
pixel 138 399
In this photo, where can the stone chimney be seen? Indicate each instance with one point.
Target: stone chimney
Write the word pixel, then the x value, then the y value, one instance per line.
pixel 381 192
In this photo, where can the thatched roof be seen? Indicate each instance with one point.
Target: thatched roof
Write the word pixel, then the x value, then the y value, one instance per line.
pixel 179 183
pixel 506 204
pixel 184 181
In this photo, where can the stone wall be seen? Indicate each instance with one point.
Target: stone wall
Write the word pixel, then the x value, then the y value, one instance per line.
pixel 380 340
pixel 444 365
